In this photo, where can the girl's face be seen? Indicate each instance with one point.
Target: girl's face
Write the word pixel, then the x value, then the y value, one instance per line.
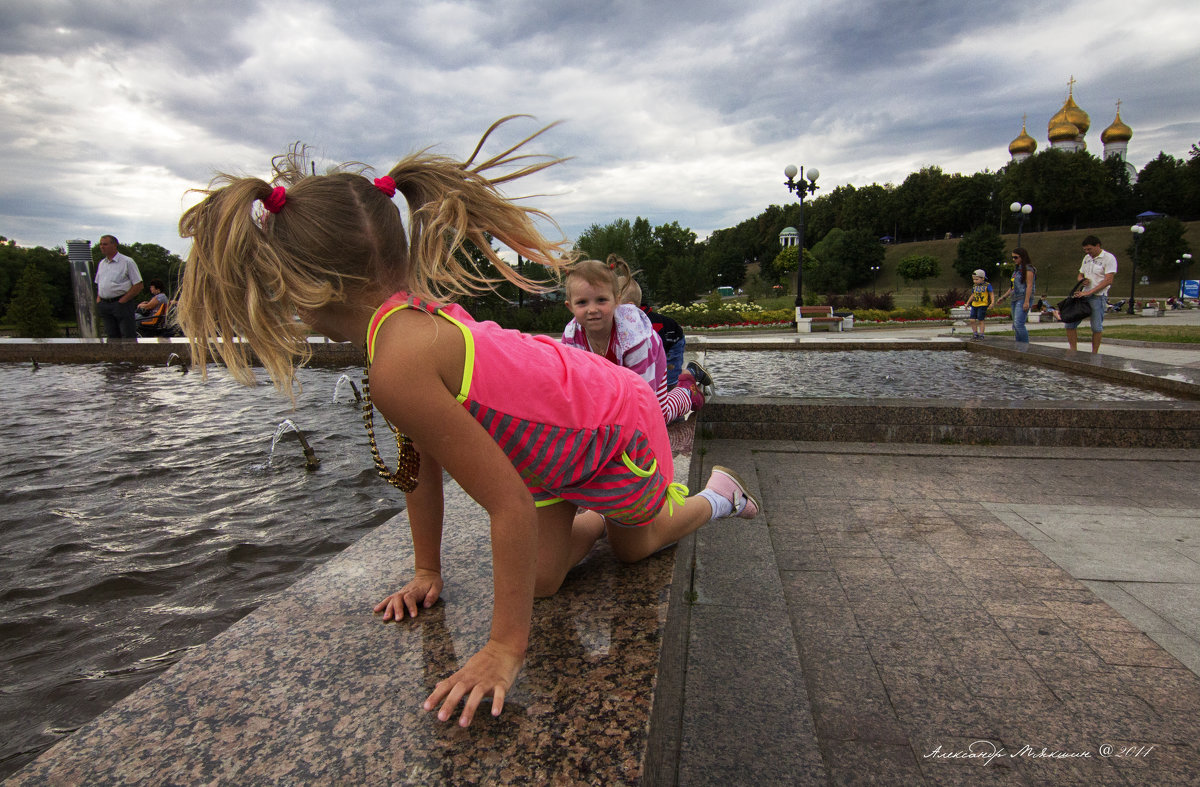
pixel 592 306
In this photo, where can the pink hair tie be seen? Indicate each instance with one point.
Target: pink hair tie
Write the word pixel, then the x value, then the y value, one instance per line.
pixel 277 200
pixel 386 185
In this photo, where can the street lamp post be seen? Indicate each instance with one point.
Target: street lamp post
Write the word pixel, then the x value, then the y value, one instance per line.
pixel 520 290
pixel 874 276
pixel 1021 212
pixel 1184 262
pixel 801 189
pixel 1137 230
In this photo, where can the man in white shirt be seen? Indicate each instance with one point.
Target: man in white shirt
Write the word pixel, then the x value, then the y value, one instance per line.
pixel 118 281
pixel 1099 267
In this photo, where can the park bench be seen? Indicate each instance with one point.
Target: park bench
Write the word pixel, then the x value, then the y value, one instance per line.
pixel 818 316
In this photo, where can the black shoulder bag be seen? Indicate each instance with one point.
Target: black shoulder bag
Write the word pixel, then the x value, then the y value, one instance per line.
pixel 1072 309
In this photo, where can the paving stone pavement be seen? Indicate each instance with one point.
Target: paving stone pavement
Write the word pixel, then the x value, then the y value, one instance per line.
pixel 923 614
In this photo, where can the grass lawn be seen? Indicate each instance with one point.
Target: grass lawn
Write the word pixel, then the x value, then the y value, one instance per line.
pixel 1175 334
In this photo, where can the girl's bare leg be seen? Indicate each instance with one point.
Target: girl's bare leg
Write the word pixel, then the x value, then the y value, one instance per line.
pixel 563 541
pixel 729 498
pixel 631 544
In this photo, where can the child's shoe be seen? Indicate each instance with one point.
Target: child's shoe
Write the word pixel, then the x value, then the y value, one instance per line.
pixel 700 373
pixel 728 485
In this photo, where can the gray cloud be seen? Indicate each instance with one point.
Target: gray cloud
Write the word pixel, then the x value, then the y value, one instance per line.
pixel 673 111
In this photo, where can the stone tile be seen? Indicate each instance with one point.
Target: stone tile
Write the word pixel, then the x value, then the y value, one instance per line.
pixel 1000 678
pixel 1143 563
pixel 1143 763
pixel 868 762
pixel 1089 615
pixel 805 589
pixel 1127 649
pixel 1019 609
pixel 756 689
pixel 1177 603
pixel 1042 577
pixel 977 644
pixel 1075 675
pixel 751 580
pixel 946 758
pixel 1040 634
pixel 904 646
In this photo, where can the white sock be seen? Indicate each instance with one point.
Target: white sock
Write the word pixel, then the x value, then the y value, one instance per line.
pixel 721 505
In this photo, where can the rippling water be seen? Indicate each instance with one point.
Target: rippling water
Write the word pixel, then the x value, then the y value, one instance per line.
pixel 139 517
pixel 904 374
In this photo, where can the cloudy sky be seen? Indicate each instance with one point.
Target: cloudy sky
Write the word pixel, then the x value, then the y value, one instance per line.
pixel 675 111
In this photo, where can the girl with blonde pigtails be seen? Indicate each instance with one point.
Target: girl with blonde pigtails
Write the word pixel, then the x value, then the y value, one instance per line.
pixel 576 432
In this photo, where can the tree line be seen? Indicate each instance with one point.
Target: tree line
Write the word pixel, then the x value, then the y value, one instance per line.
pixel 844 227
pixel 842 231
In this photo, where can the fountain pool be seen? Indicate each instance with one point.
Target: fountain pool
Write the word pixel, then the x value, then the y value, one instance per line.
pixel 904 374
pixel 142 513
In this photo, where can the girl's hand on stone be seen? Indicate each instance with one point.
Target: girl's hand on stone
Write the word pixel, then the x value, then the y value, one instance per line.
pixel 422 592
pixel 490 672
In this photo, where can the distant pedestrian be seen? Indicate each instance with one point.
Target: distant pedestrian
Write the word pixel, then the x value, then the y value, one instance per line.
pixel 982 296
pixel 1024 282
pixel 1099 268
pixel 118 282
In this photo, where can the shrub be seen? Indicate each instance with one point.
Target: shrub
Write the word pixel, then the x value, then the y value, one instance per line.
pixel 950 298
pixel 882 301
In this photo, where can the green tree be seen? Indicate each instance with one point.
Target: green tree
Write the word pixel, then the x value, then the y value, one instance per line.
pixel 980 248
pixel 673 248
pixel 56 274
pixel 1162 186
pixel 29 309
pixel 844 259
pixel 1192 181
pixel 918 211
pixel 782 267
pixel 967 201
pixel 723 254
pixel 1124 204
pixel 918 267
pixel 616 237
pixel 1162 243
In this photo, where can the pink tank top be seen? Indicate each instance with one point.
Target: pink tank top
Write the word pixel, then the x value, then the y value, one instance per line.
pixel 558 412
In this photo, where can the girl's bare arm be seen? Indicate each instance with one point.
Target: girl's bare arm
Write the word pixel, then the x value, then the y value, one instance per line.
pixel 413 384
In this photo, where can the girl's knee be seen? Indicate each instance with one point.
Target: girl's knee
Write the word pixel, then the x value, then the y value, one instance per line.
pixel 546 584
pixel 629 545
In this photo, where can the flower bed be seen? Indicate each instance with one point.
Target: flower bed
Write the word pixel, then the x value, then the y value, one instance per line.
pixel 726 315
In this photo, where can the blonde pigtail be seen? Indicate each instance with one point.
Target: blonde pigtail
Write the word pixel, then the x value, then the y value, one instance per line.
pixel 454 204
pixel 234 283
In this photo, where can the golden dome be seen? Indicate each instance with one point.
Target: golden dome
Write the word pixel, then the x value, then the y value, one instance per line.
pixel 1023 143
pixel 1063 131
pixel 1117 132
pixel 1071 113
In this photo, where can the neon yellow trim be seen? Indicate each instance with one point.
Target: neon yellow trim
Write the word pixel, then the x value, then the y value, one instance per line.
pixel 544 503
pixel 468 360
pixel 637 471
pixel 376 324
pixel 469 342
pixel 676 495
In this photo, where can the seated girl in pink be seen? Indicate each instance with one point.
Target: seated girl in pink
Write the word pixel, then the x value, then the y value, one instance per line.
pixel 607 324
